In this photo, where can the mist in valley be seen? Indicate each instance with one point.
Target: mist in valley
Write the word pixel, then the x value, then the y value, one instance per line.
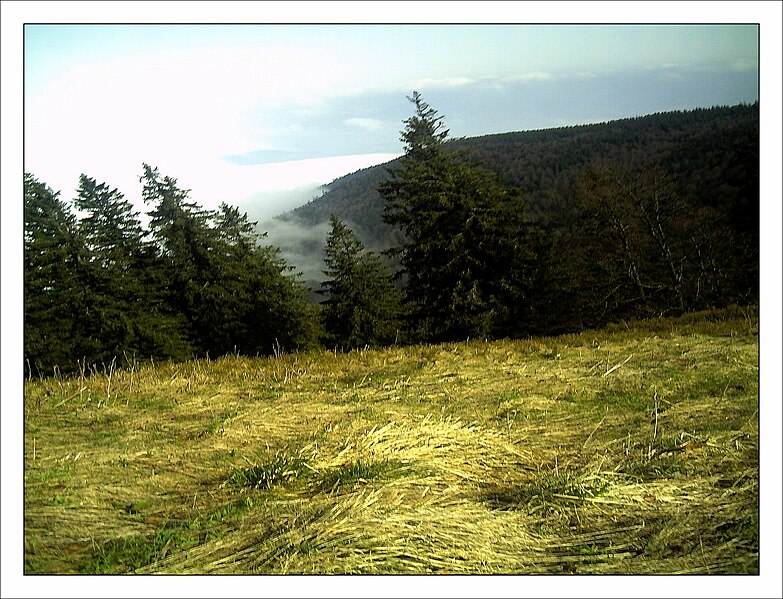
pixel 301 244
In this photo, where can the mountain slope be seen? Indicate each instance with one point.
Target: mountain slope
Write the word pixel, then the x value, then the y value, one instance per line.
pixel 711 153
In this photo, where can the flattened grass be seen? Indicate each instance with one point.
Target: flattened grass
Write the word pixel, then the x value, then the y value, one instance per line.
pixel 629 450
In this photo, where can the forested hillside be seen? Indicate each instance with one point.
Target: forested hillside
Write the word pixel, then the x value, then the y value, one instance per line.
pixel 503 236
pixel 711 154
pixel 625 219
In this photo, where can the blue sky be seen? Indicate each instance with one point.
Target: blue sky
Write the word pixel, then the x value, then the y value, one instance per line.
pixel 252 113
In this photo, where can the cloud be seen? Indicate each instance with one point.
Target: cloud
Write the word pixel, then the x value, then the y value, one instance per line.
pixel 364 123
pixel 300 245
pixel 265 190
pixel 521 77
pixel 745 64
pixel 442 82
pixel 303 246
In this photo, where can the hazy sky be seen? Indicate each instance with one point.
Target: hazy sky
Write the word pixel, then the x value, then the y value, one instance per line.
pixel 241 112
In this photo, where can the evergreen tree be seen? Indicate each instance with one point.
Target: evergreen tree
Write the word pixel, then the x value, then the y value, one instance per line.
pixel 126 314
pixel 229 301
pixel 283 318
pixel 363 305
pixel 255 307
pixel 468 254
pixel 184 242
pixel 235 294
pixel 55 303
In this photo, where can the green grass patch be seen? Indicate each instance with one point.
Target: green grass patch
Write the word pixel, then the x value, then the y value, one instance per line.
pixel 547 489
pixel 360 472
pixel 282 468
pixel 218 422
pixel 124 556
pixel 655 468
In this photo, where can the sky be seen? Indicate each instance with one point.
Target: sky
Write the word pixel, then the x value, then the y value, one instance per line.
pixel 262 114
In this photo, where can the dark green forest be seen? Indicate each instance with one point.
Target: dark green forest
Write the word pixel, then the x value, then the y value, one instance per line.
pixel 712 154
pixel 101 291
pixel 512 235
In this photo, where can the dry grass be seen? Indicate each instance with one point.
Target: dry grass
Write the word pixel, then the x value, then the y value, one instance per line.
pixel 632 450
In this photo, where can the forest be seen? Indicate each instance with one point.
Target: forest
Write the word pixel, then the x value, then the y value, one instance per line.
pixel 710 153
pixel 503 236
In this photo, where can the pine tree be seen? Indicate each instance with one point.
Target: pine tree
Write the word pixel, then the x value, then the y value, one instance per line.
pixel 55 306
pixel 236 295
pixel 184 242
pixel 127 315
pixel 363 305
pixel 468 254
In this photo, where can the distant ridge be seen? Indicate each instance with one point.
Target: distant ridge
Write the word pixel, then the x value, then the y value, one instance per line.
pixel 711 152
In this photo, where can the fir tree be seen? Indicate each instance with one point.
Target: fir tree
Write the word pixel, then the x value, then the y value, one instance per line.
pixel 236 295
pixel 126 314
pixel 256 306
pixel 55 303
pixel 362 307
pixel 184 242
pixel 468 254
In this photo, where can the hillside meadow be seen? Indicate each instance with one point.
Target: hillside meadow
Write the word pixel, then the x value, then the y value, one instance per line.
pixel 627 450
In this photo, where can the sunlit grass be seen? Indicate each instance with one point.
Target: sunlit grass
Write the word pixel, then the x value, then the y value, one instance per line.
pixel 632 449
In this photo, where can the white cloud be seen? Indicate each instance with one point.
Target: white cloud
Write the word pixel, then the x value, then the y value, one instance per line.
pixel 745 64
pixel 442 82
pixel 296 173
pixel 364 123
pixel 532 76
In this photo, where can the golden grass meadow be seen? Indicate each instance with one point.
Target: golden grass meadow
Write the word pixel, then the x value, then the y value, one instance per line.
pixel 628 450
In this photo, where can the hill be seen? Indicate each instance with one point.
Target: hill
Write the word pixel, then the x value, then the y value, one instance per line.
pixel 628 450
pixel 712 154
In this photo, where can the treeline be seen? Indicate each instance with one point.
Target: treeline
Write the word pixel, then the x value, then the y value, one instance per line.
pixel 100 287
pixel 711 155
pixel 619 240
pixel 614 240
pixel 627 219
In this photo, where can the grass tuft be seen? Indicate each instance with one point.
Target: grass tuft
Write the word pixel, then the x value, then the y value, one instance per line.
pixel 548 489
pixel 282 468
pixel 360 472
